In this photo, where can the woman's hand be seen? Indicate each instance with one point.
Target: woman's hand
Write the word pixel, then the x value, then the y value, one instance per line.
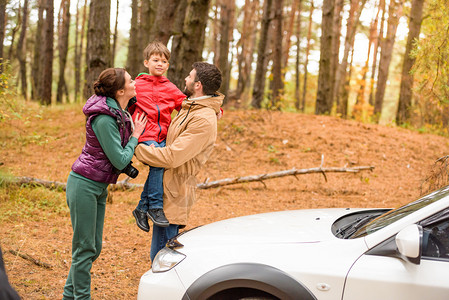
pixel 139 125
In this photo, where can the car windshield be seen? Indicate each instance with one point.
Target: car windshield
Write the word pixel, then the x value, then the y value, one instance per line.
pixel 399 213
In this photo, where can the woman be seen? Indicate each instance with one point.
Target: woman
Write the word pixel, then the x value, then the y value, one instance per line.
pixel 110 143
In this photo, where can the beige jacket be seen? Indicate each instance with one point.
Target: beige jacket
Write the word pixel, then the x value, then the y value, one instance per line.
pixel 190 140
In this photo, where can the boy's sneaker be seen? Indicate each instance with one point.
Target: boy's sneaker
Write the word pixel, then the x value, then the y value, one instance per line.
pixel 157 216
pixel 141 220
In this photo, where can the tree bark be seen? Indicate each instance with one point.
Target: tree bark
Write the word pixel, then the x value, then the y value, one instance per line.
pixel 114 39
pixel 298 60
pixel 147 15
pixel 342 80
pixel 324 91
pixel 395 12
pixel 262 55
pixel 405 95
pixel 335 57
pixel 278 80
pixel 289 31
pixel 98 50
pixel 63 46
pixel 2 31
pixel 226 21
pixel 180 16
pixel 306 63
pixel 14 31
pixel 21 50
pixel 162 28
pixel 191 43
pixel 134 53
pixel 245 48
pixel 36 67
pixel 374 69
pixel 47 66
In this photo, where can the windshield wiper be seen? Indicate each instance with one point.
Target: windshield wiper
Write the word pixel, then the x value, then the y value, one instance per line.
pixel 349 229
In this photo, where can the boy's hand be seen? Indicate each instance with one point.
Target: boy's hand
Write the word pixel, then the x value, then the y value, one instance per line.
pixel 220 114
pixel 139 125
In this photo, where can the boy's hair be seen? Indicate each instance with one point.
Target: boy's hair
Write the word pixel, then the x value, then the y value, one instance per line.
pixel 157 48
pixel 209 76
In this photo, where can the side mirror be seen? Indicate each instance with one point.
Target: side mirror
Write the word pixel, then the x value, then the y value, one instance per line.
pixel 409 241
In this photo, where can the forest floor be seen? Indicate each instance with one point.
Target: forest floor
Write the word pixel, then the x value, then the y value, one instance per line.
pixel 44 142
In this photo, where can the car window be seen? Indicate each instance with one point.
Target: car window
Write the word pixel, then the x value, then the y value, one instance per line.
pixel 435 242
pixel 396 214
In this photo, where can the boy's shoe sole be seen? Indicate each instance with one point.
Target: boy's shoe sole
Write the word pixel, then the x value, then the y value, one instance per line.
pixel 158 218
pixel 138 221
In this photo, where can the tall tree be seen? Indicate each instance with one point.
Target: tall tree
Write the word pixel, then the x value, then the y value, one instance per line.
pixel 2 31
pixel 289 31
pixel 47 61
pixel 342 78
pixel 262 56
pixel 134 58
pixel 21 50
pixel 79 38
pixel 298 61
pixel 245 47
pixel 306 62
pixel 162 28
pixel 226 19
pixel 193 30
pixel 15 29
pixel 63 47
pixel 338 18
pixel 178 24
pixel 146 20
pixel 405 94
pixel 98 50
pixel 278 80
pixel 394 13
pixel 36 66
pixel 324 92
pixel 114 37
pixel 374 66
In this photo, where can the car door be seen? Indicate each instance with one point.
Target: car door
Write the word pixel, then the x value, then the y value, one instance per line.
pixel 377 275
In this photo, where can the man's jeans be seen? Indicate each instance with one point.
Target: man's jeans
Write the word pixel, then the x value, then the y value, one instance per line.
pixel 161 235
pixel 153 190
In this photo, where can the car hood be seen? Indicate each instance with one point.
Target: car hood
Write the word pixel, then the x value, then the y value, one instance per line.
pixel 298 226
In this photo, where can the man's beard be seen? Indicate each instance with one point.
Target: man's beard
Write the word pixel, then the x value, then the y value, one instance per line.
pixel 187 92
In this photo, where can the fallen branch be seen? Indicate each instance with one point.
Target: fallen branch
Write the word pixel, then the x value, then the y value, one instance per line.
pixel 29 258
pixel 125 185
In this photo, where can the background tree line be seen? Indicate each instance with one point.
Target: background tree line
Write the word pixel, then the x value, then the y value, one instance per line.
pixel 297 55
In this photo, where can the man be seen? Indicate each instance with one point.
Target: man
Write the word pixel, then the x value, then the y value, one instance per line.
pixel 189 143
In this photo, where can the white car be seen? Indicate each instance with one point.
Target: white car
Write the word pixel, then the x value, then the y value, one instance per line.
pixel 349 254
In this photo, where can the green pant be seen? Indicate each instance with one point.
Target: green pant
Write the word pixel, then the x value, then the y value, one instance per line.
pixel 87 202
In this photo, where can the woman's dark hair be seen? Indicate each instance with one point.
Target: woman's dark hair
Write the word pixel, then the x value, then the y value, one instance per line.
pixel 109 82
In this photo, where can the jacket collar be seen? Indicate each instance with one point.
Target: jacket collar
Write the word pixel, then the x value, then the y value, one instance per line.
pixel 152 78
pixel 213 101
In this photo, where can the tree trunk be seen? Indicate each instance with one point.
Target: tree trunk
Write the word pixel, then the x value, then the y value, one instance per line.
pixel 405 95
pixel 289 31
pixel 134 52
pixel 63 46
pixel 298 60
pixel 394 12
pixel 306 63
pixel 259 80
pixel 226 21
pixel 147 15
pixel 14 31
pixel 342 75
pixel 278 80
pixel 98 50
pixel 114 40
pixel 191 43
pixel 374 70
pixel 245 47
pixel 47 62
pixel 180 16
pixel 162 28
pixel 36 67
pixel 335 57
pixel 21 50
pixel 2 31
pixel 324 92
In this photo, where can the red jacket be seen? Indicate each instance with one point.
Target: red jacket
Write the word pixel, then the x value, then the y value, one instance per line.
pixel 157 97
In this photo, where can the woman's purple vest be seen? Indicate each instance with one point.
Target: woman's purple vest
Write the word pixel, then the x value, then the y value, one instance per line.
pixel 93 162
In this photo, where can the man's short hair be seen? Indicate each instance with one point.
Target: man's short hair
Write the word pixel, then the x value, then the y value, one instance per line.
pixel 209 76
pixel 157 48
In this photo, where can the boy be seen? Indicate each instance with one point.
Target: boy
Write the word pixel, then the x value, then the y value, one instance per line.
pixel 157 97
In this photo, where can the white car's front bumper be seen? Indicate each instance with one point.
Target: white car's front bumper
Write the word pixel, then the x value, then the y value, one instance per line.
pixel 166 285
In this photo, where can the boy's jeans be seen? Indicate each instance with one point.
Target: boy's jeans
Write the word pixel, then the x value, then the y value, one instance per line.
pixel 153 190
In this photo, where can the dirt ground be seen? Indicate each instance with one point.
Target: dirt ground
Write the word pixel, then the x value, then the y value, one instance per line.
pixel 44 143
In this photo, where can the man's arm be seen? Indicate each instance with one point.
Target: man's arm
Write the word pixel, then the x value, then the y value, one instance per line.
pixel 186 146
